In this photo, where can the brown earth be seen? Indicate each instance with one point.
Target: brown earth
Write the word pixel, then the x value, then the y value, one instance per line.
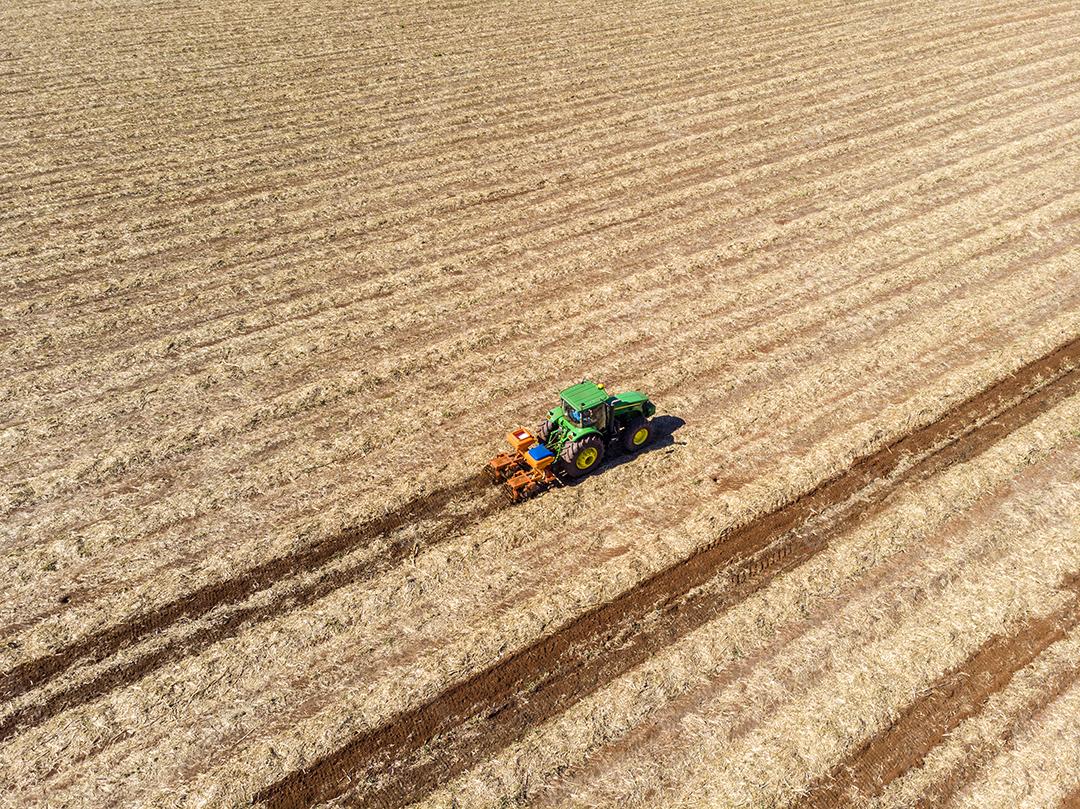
pixel 276 279
pixel 967 771
pixel 961 693
pixel 767 684
pixel 474 718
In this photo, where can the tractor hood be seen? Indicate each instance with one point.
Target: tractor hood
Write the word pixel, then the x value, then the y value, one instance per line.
pixel 631 397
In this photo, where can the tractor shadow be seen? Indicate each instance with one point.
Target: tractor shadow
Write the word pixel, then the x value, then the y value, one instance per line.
pixel 664 429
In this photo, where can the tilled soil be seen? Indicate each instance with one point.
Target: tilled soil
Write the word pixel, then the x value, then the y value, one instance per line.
pixel 951 699
pixel 474 718
pixel 277 279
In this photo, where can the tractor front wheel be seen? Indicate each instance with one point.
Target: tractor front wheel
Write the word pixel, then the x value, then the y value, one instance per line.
pixel 581 457
pixel 637 434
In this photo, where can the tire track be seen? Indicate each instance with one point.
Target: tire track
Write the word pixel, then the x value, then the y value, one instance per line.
pixel 100 645
pixel 887 588
pixel 959 694
pixel 975 760
pixel 414 751
pixel 232 623
pixel 1072 800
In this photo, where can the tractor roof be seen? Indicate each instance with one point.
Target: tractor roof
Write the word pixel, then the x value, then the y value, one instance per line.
pixel 584 395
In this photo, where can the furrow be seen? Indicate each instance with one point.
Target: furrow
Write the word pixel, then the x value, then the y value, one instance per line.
pixel 958 695
pixel 878 300
pixel 279 324
pixel 426 193
pixel 227 624
pixel 108 641
pixel 643 66
pixel 972 765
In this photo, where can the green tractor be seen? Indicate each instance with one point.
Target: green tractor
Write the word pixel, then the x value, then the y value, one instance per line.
pixel 587 422
pixel 573 440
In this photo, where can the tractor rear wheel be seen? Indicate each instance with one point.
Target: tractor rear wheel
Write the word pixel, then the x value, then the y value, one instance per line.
pixel 581 457
pixel 543 432
pixel 637 434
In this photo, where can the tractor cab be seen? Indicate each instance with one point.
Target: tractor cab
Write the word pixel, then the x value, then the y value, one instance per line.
pixel 586 405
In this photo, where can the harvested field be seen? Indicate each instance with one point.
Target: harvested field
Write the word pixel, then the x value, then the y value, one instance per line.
pixel 278 278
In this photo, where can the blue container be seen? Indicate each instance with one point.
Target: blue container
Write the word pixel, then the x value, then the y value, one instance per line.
pixel 539 452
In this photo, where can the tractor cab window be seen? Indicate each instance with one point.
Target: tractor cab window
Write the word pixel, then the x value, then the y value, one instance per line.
pixel 598 415
pixel 593 417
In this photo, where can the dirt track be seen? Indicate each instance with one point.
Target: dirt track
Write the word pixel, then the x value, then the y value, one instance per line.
pixel 959 694
pixel 476 717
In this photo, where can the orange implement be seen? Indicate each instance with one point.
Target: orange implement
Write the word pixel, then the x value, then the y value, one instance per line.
pixel 527 470
pixel 527 482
